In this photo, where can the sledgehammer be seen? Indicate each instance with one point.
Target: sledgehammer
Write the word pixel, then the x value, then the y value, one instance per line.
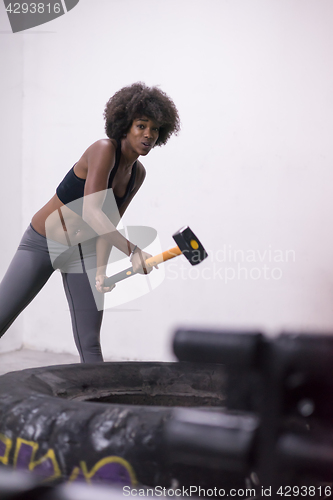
pixel 187 244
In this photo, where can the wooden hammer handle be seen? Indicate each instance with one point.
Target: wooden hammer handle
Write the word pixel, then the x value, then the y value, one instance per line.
pixel 152 261
pixel 161 257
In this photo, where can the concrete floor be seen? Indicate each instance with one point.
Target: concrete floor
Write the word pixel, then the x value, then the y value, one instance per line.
pixel 25 358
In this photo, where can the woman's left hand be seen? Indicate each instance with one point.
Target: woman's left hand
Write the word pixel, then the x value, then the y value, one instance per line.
pixel 100 284
pixel 139 265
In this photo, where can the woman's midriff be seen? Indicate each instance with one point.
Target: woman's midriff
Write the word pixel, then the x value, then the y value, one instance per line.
pixel 58 223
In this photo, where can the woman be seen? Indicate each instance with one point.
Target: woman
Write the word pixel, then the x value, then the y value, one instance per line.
pixel 76 229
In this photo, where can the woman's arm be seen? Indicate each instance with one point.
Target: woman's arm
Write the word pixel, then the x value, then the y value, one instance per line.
pixel 101 159
pixel 101 156
pixel 103 247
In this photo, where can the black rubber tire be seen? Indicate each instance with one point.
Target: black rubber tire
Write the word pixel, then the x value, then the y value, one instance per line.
pixel 73 422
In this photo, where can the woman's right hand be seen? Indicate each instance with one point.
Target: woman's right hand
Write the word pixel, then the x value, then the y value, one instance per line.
pixel 139 265
pixel 100 284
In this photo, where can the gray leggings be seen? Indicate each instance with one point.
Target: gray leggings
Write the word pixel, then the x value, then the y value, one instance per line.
pixel 28 272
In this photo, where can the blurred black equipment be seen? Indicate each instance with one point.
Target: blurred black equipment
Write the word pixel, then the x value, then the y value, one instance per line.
pixel 278 423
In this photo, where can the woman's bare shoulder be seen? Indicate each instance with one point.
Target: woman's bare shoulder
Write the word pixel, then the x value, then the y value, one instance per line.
pixel 101 153
pixel 102 146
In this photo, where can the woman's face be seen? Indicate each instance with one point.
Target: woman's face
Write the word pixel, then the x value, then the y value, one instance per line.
pixel 143 135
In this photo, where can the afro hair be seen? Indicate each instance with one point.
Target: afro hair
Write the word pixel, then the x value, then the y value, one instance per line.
pixel 138 100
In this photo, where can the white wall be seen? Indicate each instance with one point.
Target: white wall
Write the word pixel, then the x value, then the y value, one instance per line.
pixel 250 171
pixel 11 93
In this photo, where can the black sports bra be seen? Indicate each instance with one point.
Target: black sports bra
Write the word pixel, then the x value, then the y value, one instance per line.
pixel 72 187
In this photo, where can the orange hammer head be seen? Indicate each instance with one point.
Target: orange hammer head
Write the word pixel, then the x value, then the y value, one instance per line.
pixel 190 246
